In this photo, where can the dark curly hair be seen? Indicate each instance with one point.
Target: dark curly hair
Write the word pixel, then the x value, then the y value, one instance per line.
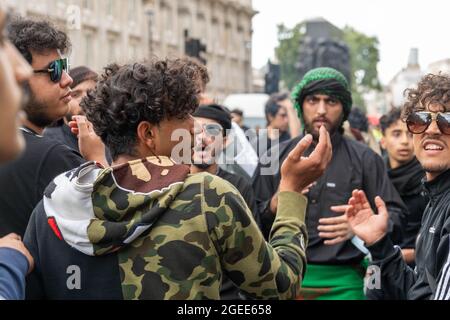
pixel 36 35
pixel 390 118
pixel 432 89
pixel 150 91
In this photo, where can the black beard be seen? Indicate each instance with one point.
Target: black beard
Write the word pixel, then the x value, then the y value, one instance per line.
pixel 36 111
pixel 334 128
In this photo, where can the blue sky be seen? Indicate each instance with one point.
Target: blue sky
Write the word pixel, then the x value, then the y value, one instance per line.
pixel 398 24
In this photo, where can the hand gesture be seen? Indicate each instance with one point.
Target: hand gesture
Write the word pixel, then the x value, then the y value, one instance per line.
pixel 365 224
pixel 335 229
pixel 298 172
pixel 90 145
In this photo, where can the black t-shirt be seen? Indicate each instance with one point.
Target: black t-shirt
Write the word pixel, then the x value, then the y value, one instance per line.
pixel 61 133
pixel 23 181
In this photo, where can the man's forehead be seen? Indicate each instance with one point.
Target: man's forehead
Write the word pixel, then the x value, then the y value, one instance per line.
pixel 438 107
pixel 320 95
pixel 42 59
pixel 397 125
pixel 202 120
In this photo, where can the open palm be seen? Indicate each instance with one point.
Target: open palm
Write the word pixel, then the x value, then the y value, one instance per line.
pixel 365 224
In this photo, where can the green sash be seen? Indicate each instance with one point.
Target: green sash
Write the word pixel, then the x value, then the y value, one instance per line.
pixel 327 282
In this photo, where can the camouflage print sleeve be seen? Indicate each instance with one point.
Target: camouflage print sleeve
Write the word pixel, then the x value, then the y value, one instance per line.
pixel 262 270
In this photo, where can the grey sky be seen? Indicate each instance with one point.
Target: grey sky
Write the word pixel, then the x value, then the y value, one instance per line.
pixel 398 24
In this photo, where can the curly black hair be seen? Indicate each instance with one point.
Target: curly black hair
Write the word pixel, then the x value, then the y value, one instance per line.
pixel 390 118
pixel 36 35
pixel 151 91
pixel 432 89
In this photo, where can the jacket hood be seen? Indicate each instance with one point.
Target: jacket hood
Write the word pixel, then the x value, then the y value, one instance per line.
pixel 98 211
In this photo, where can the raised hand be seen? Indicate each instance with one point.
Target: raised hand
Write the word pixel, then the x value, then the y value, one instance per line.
pixel 298 172
pixel 90 145
pixel 365 224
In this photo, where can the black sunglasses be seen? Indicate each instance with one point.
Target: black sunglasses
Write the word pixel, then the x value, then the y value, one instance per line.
pixel 418 122
pixel 56 69
pixel 213 129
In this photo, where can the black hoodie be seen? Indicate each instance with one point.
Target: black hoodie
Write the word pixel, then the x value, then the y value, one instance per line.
pixel 407 179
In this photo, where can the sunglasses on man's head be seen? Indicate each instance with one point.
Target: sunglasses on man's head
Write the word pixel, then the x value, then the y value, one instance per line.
pixel 418 122
pixel 56 69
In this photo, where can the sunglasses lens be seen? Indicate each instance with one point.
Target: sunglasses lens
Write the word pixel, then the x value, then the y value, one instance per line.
pixel 58 67
pixel 443 121
pixel 418 122
pixel 213 130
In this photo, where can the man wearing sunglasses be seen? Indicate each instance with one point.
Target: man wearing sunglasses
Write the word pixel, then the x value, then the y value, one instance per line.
pixel 427 115
pixel 215 124
pixel 23 181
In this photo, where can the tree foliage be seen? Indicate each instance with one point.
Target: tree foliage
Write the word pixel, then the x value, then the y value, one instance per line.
pixel 364 57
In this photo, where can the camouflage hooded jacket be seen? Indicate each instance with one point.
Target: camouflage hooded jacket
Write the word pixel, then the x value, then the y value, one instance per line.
pixel 150 230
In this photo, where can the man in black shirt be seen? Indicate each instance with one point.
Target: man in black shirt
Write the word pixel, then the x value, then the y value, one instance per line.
pixel 335 264
pixel 215 121
pixel 23 181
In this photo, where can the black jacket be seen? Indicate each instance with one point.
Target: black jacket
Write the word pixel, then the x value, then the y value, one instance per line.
pixel 353 166
pixel 430 278
pixel 24 180
pixel 407 180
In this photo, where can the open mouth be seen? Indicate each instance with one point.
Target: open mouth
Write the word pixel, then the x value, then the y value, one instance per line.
pixel 433 146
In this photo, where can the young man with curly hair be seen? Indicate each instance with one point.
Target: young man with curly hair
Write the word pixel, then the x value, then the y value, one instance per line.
pixel 145 228
pixel 23 181
pixel 427 116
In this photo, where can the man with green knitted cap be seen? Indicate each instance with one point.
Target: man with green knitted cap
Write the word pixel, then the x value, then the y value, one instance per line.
pixel 336 259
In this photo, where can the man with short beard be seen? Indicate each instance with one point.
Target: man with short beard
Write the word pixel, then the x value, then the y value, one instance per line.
pixel 23 181
pixel 427 116
pixel 215 123
pixel 336 265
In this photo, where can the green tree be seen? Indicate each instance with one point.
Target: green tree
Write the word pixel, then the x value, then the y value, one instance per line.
pixel 288 51
pixel 364 57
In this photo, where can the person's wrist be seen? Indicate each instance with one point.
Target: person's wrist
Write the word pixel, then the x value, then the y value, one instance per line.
pixel 294 186
pixel 375 238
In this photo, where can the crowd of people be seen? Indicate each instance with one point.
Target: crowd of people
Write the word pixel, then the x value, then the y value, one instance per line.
pixel 112 186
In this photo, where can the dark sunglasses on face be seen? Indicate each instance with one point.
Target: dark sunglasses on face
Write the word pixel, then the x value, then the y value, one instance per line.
pixel 418 122
pixel 213 129
pixel 56 69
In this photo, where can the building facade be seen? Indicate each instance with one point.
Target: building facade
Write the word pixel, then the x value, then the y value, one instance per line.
pixel 105 31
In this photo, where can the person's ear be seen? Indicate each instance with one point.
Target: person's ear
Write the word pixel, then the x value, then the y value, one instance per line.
pixel 146 134
pixel 383 143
